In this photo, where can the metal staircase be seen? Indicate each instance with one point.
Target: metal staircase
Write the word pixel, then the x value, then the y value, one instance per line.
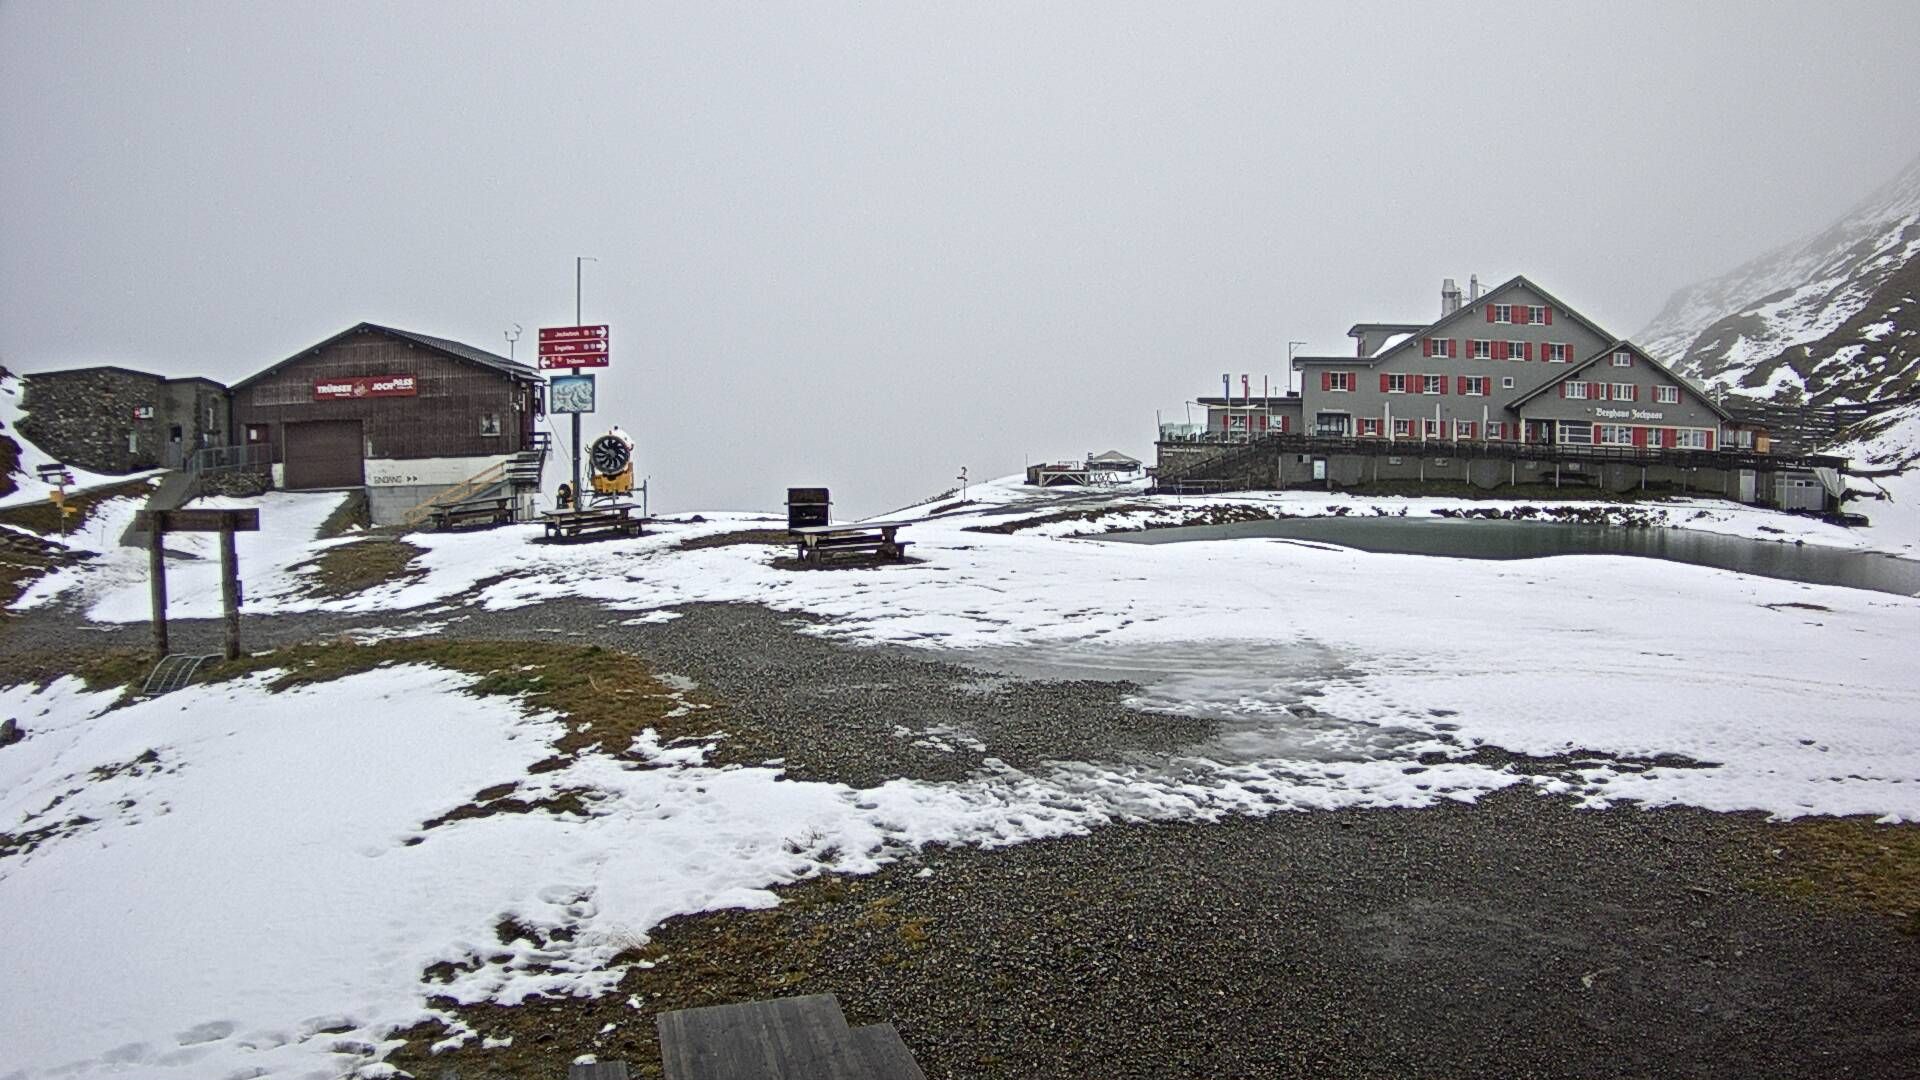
pixel 517 475
pixel 1216 472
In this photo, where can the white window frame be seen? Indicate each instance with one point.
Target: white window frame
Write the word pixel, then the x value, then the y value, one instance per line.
pixel 1690 438
pixel 1463 429
pixel 1400 421
pixel 1613 434
pixel 1666 395
pixel 1479 349
pixel 1361 429
pixel 1496 431
pixel 1556 352
pixel 1478 385
pixel 1623 391
pixel 1536 315
pixel 1506 382
pixel 1516 350
pixel 1503 313
pixel 489 425
pixel 1336 378
pixel 1565 425
pixel 1622 358
pixel 1437 382
pixel 1430 428
pixel 1576 390
pixel 1396 383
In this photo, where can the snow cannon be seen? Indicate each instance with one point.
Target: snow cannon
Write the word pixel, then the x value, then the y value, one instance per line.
pixel 611 457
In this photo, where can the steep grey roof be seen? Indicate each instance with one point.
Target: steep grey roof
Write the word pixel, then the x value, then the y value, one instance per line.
pixel 1622 343
pixel 446 346
pixel 1472 310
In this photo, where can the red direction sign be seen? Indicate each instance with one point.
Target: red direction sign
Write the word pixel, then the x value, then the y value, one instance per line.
pixel 571 348
pixel 573 333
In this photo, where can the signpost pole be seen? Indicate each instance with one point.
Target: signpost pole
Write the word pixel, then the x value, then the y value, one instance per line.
pixel 577 261
pixel 157 575
pixel 230 588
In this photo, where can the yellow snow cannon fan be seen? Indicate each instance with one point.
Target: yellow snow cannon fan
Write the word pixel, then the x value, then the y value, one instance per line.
pixel 611 457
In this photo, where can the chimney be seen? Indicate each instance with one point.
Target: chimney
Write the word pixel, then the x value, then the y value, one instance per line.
pixel 1473 288
pixel 1449 297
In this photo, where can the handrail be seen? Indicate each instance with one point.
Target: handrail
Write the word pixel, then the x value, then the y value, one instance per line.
pixel 222 458
pixel 486 478
pixel 1723 457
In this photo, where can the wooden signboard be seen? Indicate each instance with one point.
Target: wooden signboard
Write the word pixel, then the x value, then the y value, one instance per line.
pixel 157 523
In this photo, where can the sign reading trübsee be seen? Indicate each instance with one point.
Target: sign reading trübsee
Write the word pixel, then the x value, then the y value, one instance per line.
pixel 573 346
pixel 360 386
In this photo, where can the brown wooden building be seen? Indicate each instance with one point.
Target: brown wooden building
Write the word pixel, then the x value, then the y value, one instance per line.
pixel 403 414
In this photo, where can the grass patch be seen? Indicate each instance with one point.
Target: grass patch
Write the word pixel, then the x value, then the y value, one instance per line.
pixel 350 569
pixel 768 537
pixel 604 697
pixel 1851 863
pixel 44 518
pixel 352 513
pixel 712 959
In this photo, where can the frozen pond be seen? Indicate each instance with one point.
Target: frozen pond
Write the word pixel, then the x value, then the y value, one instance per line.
pixel 1471 538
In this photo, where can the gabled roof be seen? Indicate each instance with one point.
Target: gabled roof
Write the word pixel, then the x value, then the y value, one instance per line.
pixel 445 346
pixel 1390 327
pixel 1608 351
pixel 1112 457
pixel 1474 310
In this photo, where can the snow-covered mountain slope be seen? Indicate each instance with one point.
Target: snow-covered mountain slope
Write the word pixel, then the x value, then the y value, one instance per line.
pixel 1886 452
pixel 1832 317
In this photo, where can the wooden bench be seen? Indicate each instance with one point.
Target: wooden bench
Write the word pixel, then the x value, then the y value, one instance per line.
pixel 490 511
pixel 615 519
pixel 816 543
pixel 796 1038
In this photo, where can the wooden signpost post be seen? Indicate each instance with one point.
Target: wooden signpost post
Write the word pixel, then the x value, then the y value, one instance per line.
pixel 157 523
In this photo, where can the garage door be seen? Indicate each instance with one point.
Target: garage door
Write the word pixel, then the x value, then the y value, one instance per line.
pixel 324 454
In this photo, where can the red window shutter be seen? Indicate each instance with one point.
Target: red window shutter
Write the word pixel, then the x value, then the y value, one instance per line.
pixel 1426 346
pixel 1529 350
pixel 1443 384
pixel 1636 393
pixel 1462 387
pixel 1383 382
pixel 1549 315
pixel 1489 312
pixel 1709 438
pixel 1326 380
pixel 1640 436
pixel 1453 347
pixel 1563 389
pixel 1498 350
pixel 1569 352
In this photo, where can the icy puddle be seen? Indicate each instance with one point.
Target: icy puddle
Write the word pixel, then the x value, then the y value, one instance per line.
pixel 1483 539
pixel 1260 693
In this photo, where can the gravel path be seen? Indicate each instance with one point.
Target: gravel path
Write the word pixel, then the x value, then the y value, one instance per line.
pixel 1517 937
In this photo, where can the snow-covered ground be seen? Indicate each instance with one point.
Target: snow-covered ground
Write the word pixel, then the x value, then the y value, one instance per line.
pixel 1895 445
pixel 1329 670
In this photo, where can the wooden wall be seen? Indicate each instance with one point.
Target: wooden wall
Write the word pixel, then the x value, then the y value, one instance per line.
pixel 444 419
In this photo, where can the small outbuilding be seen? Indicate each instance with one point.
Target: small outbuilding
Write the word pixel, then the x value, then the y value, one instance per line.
pixel 108 419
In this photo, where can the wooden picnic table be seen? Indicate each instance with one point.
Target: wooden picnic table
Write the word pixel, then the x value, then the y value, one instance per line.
pixel 816 542
pixel 611 519
pixel 497 511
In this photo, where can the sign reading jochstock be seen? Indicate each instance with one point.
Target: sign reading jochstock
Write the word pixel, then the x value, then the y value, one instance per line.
pixel 573 346
pixel 360 386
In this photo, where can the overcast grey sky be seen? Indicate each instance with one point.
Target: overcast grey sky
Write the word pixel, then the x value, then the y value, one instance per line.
pixel 865 245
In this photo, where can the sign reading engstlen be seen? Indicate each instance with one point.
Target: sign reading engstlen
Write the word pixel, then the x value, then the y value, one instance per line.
pixel 361 386
pixel 573 346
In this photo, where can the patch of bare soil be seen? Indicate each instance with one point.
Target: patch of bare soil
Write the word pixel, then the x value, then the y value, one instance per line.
pixel 767 537
pixel 350 569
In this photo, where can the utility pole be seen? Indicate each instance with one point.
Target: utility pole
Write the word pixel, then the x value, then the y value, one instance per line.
pixel 577 495
pixel 1292 345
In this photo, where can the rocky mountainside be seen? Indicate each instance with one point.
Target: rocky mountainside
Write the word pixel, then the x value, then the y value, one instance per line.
pixel 1834 318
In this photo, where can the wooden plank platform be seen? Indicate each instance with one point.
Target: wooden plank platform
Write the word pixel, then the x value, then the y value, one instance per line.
pixel 796 1038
